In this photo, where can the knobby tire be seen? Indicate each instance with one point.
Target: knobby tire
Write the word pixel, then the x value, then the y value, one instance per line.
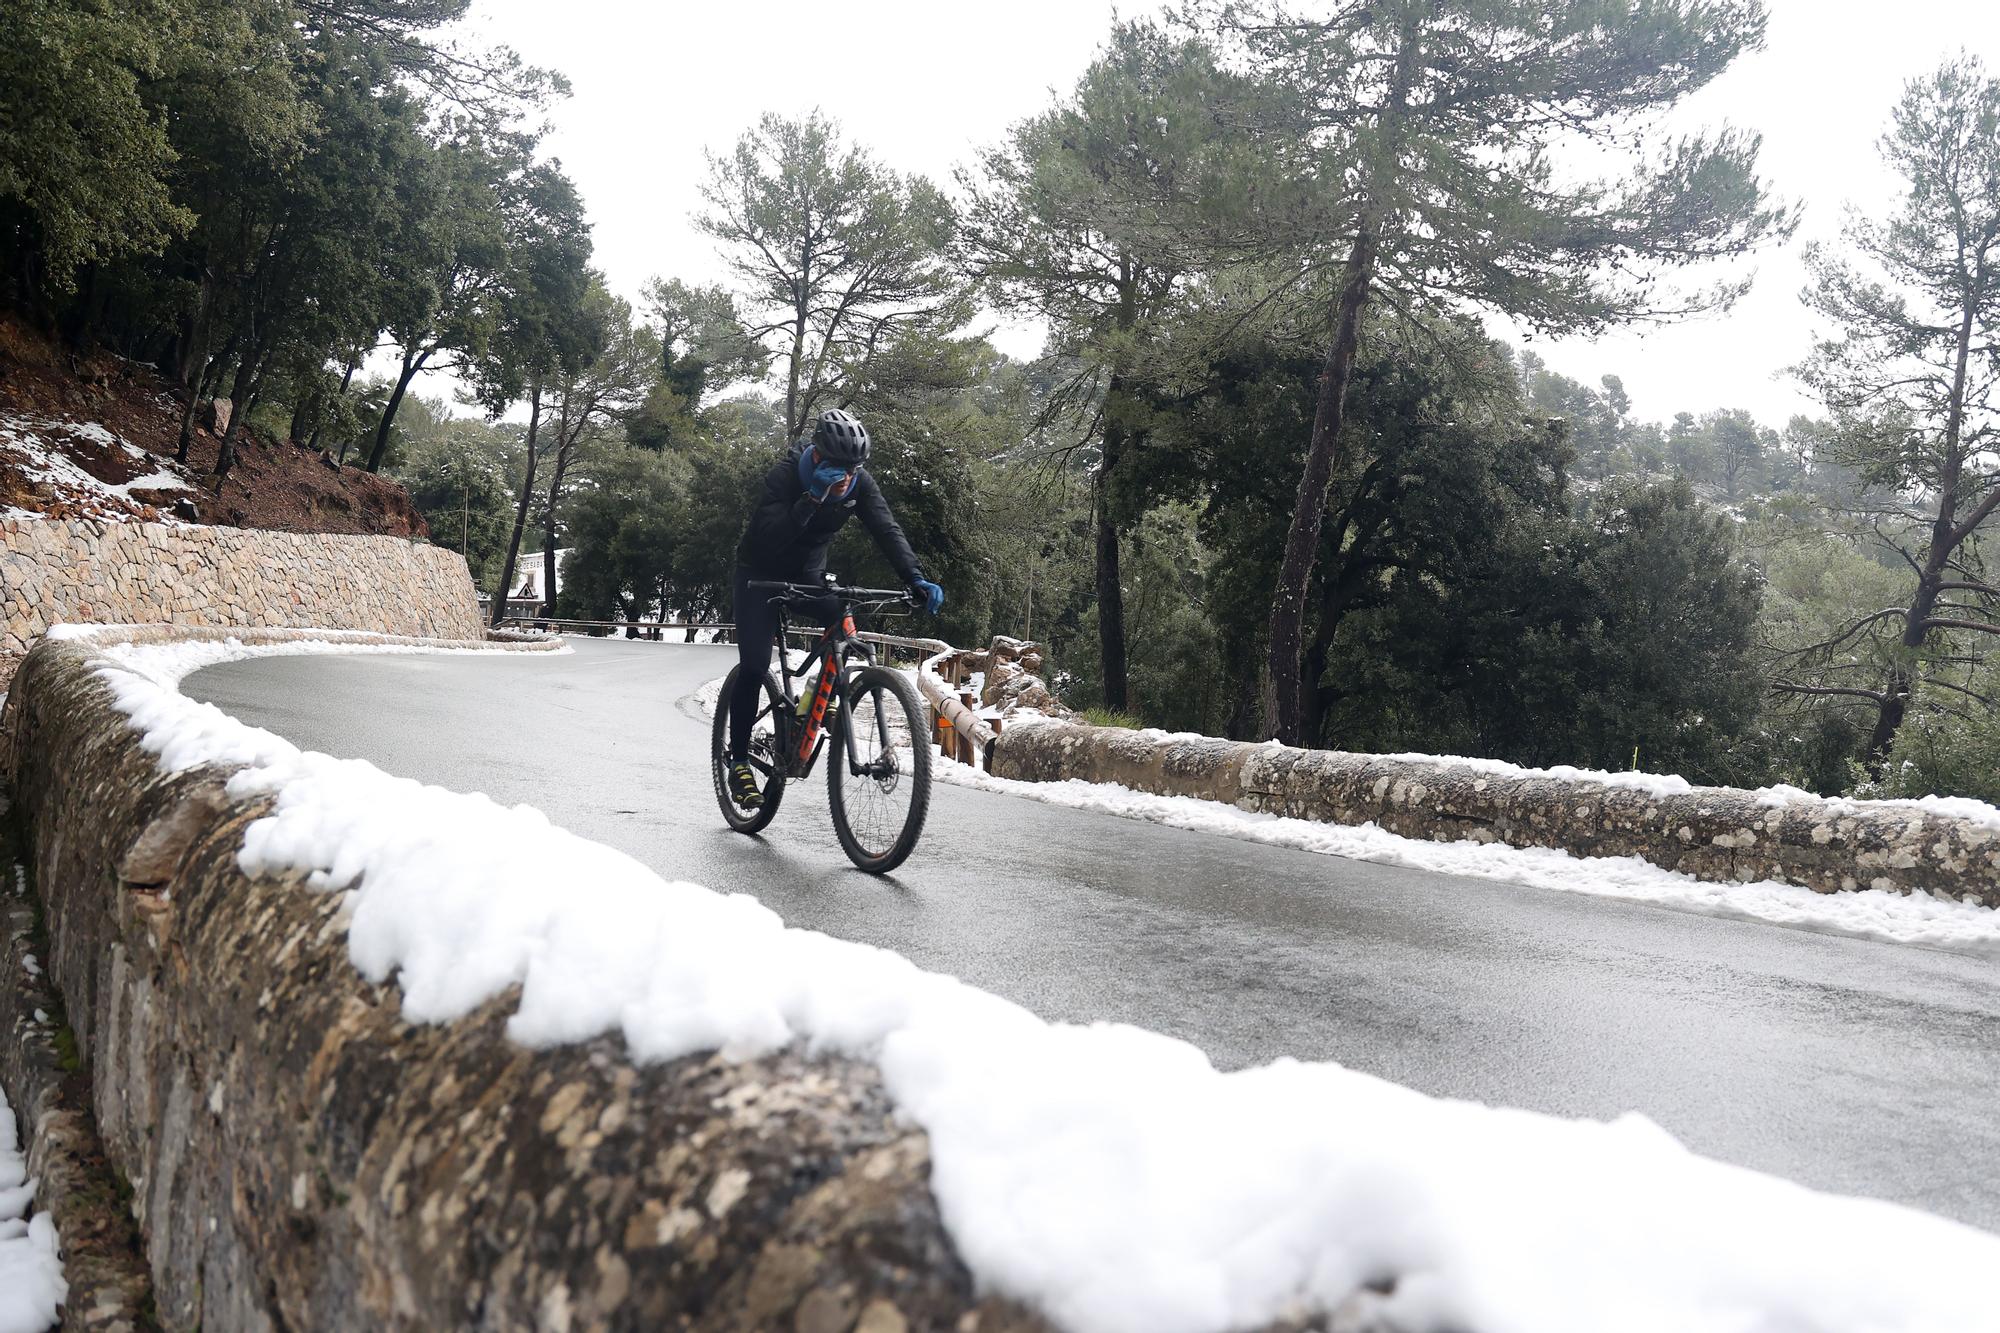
pixel 869 691
pixel 747 821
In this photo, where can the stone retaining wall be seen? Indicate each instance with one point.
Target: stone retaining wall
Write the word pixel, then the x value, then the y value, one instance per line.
pixel 1712 833
pixel 110 1290
pixel 300 1157
pixel 54 570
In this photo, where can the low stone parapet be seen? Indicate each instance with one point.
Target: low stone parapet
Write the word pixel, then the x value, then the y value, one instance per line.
pixel 301 1156
pixel 1712 833
pixel 110 1289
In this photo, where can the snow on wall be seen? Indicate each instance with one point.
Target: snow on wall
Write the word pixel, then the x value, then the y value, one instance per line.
pixel 1108 1176
pixel 31 1276
pixel 1950 849
pixel 52 571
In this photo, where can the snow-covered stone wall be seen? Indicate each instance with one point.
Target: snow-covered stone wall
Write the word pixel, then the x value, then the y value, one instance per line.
pixel 54 571
pixel 1951 849
pixel 301 1155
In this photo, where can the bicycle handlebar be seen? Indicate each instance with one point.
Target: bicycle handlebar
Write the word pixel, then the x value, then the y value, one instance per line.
pixel 815 591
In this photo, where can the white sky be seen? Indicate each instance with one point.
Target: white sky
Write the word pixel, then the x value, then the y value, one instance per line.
pixel 923 83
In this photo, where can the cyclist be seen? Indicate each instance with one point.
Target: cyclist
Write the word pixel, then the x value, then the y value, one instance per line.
pixel 808 497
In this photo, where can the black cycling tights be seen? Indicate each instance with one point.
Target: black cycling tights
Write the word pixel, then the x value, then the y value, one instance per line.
pixel 756 629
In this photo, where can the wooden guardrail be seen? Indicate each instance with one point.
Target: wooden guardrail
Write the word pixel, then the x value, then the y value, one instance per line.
pixel 961 730
pixel 559 623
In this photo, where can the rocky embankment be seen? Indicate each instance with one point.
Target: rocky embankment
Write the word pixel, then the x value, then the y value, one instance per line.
pixel 92 436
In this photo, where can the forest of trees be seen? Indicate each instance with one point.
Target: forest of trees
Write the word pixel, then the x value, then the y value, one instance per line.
pixel 1268 477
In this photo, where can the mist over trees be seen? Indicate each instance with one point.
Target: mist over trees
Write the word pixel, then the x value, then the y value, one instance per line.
pixel 1269 476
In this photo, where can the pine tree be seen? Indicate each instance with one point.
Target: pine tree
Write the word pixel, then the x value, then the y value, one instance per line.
pixel 1909 374
pixel 1078 218
pixel 1414 161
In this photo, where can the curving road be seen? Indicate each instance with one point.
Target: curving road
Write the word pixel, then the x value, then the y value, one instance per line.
pixel 1843 1064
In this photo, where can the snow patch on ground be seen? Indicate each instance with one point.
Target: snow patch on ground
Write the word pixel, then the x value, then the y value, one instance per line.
pixel 31 1276
pixel 41 448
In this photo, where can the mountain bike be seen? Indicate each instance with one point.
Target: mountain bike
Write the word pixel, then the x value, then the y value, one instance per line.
pixel 879 779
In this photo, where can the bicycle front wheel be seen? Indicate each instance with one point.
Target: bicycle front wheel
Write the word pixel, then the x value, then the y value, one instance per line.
pixel 766 753
pixel 878 770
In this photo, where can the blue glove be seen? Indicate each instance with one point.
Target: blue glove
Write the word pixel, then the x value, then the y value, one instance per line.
pixel 824 478
pixel 932 594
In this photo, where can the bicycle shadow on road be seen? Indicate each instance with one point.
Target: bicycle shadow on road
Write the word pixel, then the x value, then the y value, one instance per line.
pixel 781 870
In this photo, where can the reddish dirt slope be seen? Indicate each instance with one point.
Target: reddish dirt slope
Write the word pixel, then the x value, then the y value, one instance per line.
pixel 52 407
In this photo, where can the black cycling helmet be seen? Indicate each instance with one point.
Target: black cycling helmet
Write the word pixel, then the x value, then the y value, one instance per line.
pixel 841 439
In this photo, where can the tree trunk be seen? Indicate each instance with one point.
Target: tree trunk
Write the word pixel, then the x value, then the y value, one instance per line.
pixel 549 528
pixel 249 375
pixel 1945 539
pixel 1288 606
pixel 1888 720
pixel 1313 699
pixel 1110 584
pixel 1336 590
pixel 520 510
pixel 187 423
pixel 346 378
pixel 411 365
pixel 192 371
pixel 201 389
pixel 1916 631
pixel 192 359
pixel 307 402
pixel 793 426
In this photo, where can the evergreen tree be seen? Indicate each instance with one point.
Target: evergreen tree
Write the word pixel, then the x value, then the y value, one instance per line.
pixel 1909 374
pixel 1412 147
pixel 542 332
pixel 837 255
pixel 1076 219
pixel 84 155
pixel 445 267
pixel 594 398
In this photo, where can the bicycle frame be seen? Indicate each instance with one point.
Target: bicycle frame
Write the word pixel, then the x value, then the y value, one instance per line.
pixel 838 650
pixel 835 649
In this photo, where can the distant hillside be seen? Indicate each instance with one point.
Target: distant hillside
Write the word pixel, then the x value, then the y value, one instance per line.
pixel 94 437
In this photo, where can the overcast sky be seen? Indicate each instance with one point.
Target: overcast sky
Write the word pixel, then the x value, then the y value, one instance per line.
pixel 922 84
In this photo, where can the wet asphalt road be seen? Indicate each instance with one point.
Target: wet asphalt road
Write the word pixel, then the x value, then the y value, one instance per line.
pixel 1842 1064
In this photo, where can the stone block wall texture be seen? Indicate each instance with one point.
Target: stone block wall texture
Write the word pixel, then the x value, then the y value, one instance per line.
pixel 109 1288
pixel 300 1157
pixel 1712 833
pixel 54 570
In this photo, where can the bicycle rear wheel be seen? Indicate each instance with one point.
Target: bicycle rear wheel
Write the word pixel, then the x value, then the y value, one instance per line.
pixel 879 787
pixel 766 753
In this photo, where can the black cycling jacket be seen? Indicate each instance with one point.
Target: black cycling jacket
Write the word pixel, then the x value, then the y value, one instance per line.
pixel 789 533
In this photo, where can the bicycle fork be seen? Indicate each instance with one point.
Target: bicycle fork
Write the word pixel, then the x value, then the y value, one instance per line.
pixel 884 763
